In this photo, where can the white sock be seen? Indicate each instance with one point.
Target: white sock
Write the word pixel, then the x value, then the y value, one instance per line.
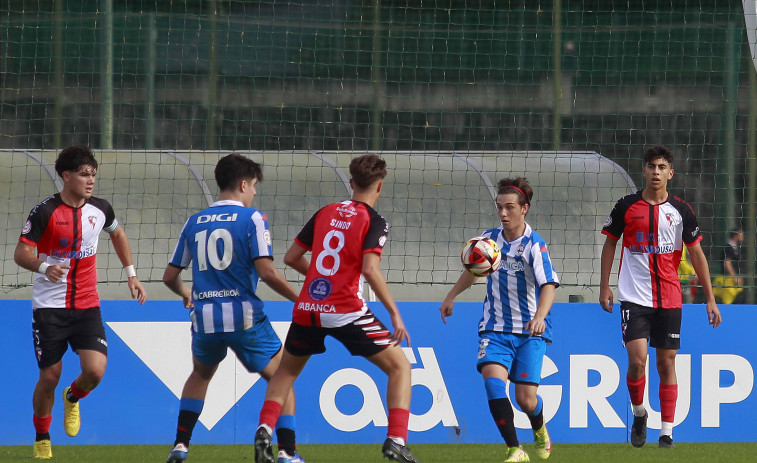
pixel 398 440
pixel 638 410
pixel 666 429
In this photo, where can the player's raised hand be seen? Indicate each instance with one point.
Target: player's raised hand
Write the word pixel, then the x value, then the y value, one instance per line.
pixel 137 290
pixel 55 272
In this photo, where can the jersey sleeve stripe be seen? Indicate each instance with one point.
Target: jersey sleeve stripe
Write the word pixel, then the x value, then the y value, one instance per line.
pixel 112 227
pixel 23 239
pixel 605 232
pixel 262 247
pixel 696 241
pixel 298 241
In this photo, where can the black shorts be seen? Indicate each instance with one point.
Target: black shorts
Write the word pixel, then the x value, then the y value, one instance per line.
pixel 364 337
pixel 661 326
pixel 55 329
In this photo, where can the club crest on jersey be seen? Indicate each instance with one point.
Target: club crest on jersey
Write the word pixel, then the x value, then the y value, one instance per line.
pixel 671 219
pixel 346 210
pixel 92 220
pixel 319 289
pixel 520 249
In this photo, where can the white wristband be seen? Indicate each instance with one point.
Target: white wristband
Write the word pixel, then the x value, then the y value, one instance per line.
pixel 130 272
pixel 43 267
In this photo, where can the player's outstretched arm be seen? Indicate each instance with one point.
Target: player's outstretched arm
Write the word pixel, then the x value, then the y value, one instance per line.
pixel 465 281
pixel 605 293
pixel 172 279
pixel 699 262
pixel 273 278
pixel 25 257
pixel 295 258
pixel 372 274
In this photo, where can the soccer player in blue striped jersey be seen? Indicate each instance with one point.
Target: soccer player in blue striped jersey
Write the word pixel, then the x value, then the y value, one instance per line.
pixel 229 247
pixel 516 326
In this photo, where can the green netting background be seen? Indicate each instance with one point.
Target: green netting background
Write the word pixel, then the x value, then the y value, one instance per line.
pixel 431 78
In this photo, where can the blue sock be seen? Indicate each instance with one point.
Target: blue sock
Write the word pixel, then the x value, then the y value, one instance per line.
pixel 285 434
pixel 191 405
pixel 501 410
pixel 189 412
pixel 535 416
pixel 495 388
pixel 539 406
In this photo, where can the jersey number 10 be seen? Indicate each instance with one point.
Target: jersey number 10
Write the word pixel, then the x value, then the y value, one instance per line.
pixel 207 249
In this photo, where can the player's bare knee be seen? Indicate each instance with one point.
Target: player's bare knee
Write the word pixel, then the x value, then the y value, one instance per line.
pixel 666 367
pixel 49 377
pixel 636 367
pixel 93 375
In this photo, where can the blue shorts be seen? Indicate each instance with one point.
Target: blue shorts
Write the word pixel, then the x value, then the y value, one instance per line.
pixel 521 354
pixel 254 347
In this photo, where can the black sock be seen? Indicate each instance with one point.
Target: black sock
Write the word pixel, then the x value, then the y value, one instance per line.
pixel 70 397
pixel 536 421
pixel 285 438
pixel 187 422
pixel 503 415
pixel 42 436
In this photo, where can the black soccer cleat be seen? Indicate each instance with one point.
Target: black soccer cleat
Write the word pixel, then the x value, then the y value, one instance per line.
pixel 263 450
pixel 639 430
pixel 666 442
pixel 396 452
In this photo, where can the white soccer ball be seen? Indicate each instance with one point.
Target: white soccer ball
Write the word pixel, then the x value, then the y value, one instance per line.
pixel 481 256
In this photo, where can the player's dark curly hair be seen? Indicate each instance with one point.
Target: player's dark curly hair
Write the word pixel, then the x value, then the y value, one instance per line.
pixel 234 168
pixel 518 185
pixel 367 169
pixel 657 152
pixel 72 158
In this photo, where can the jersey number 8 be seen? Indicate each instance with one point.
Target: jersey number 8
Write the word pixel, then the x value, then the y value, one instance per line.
pixel 329 251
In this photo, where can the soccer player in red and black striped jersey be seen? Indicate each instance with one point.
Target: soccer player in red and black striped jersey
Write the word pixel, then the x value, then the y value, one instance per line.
pixel 65 231
pixel 346 240
pixel 655 226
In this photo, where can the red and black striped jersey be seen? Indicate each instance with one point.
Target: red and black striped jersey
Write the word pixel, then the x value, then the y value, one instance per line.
pixel 338 236
pixel 65 235
pixel 653 239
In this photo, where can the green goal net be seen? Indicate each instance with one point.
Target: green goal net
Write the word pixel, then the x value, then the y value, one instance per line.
pixel 454 94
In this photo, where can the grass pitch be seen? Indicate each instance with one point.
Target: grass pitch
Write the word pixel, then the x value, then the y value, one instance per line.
pixel 734 452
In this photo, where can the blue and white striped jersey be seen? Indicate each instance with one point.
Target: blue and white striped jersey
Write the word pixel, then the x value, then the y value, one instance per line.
pixel 512 292
pixel 222 243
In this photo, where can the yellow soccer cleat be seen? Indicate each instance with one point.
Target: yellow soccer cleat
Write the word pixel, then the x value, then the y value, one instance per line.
pixel 516 454
pixel 543 443
pixel 71 420
pixel 43 450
